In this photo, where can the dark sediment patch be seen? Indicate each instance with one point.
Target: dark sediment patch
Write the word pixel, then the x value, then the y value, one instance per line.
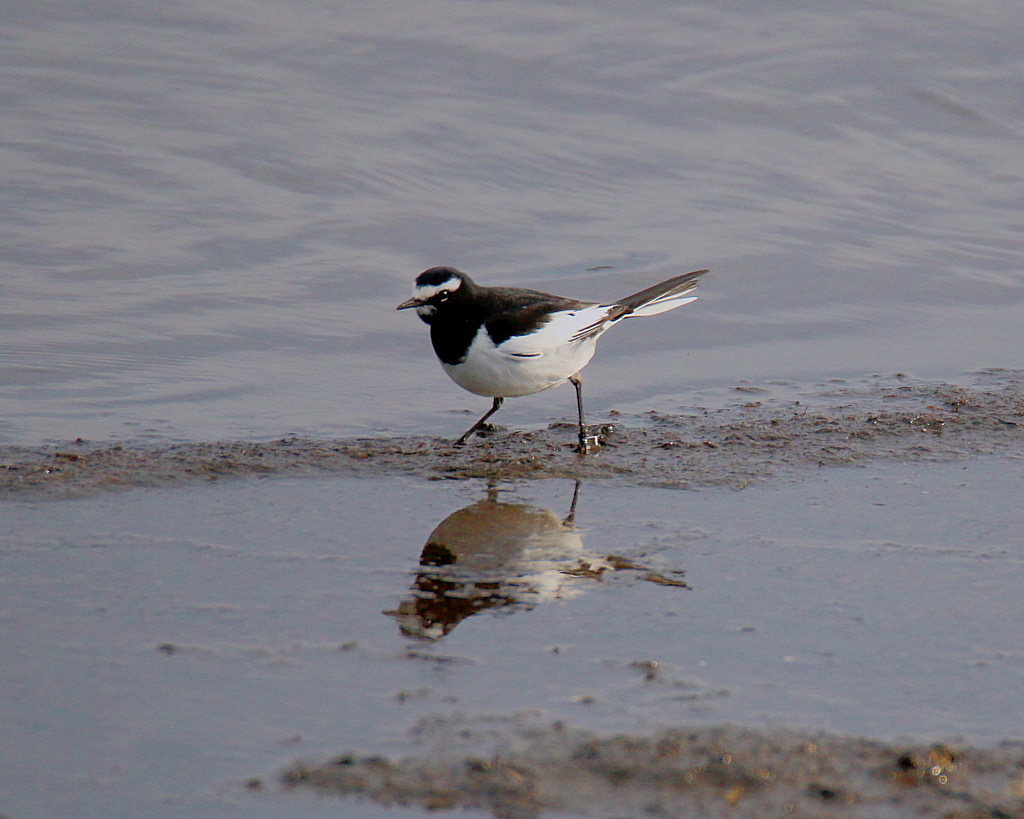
pixel 731 446
pixel 518 768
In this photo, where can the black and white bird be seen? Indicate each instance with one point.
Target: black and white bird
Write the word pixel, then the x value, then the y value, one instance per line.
pixel 504 342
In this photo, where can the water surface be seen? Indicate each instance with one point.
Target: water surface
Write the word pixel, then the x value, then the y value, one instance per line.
pixel 208 211
pixel 163 647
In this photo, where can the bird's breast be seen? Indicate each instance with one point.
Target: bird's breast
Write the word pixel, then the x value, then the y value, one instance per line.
pixel 487 369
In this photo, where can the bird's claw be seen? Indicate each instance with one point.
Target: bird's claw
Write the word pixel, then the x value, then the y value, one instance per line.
pixel 589 443
pixel 481 431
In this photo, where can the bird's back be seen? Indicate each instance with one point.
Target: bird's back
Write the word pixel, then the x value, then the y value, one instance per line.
pixel 504 311
pixel 515 312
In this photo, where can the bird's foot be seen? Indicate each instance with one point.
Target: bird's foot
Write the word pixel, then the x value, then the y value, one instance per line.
pixel 482 430
pixel 590 442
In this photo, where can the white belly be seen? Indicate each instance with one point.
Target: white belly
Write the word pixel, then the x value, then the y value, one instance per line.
pixel 489 371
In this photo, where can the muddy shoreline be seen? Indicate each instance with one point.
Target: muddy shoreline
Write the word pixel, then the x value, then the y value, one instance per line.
pixel 514 766
pixel 520 767
pixel 735 445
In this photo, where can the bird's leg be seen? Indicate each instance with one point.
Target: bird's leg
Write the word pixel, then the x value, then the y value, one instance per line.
pixel 588 443
pixel 570 519
pixel 494 408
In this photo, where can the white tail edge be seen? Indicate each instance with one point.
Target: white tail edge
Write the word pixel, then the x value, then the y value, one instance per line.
pixel 662 305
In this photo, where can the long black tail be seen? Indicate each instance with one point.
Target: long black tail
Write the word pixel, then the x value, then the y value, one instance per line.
pixel 648 302
pixel 658 295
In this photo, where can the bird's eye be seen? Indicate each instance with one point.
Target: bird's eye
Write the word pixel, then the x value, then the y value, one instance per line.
pixel 444 294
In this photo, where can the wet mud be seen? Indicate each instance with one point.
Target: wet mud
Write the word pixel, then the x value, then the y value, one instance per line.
pixel 528 769
pixel 752 438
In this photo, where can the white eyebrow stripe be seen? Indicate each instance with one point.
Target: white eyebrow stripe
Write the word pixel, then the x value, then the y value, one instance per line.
pixel 428 291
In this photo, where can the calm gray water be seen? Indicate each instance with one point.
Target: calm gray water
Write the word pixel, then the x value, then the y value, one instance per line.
pixel 208 210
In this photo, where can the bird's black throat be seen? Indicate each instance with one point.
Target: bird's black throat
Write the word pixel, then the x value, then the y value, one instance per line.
pixel 451 335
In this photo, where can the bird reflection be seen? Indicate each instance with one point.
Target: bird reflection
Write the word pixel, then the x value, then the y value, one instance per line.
pixel 501 556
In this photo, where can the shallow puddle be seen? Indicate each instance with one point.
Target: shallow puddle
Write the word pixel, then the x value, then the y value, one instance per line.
pixel 165 647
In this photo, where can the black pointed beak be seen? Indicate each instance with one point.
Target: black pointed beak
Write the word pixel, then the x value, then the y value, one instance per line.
pixel 413 302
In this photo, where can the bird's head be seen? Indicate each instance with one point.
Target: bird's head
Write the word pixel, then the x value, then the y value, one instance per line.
pixel 437 290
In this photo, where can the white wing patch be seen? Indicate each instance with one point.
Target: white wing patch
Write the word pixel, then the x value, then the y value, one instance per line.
pixel 562 328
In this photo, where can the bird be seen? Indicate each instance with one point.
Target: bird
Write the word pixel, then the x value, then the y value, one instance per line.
pixel 505 342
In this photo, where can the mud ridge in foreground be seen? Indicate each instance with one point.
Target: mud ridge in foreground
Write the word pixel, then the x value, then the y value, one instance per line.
pixel 891 418
pixel 519 769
